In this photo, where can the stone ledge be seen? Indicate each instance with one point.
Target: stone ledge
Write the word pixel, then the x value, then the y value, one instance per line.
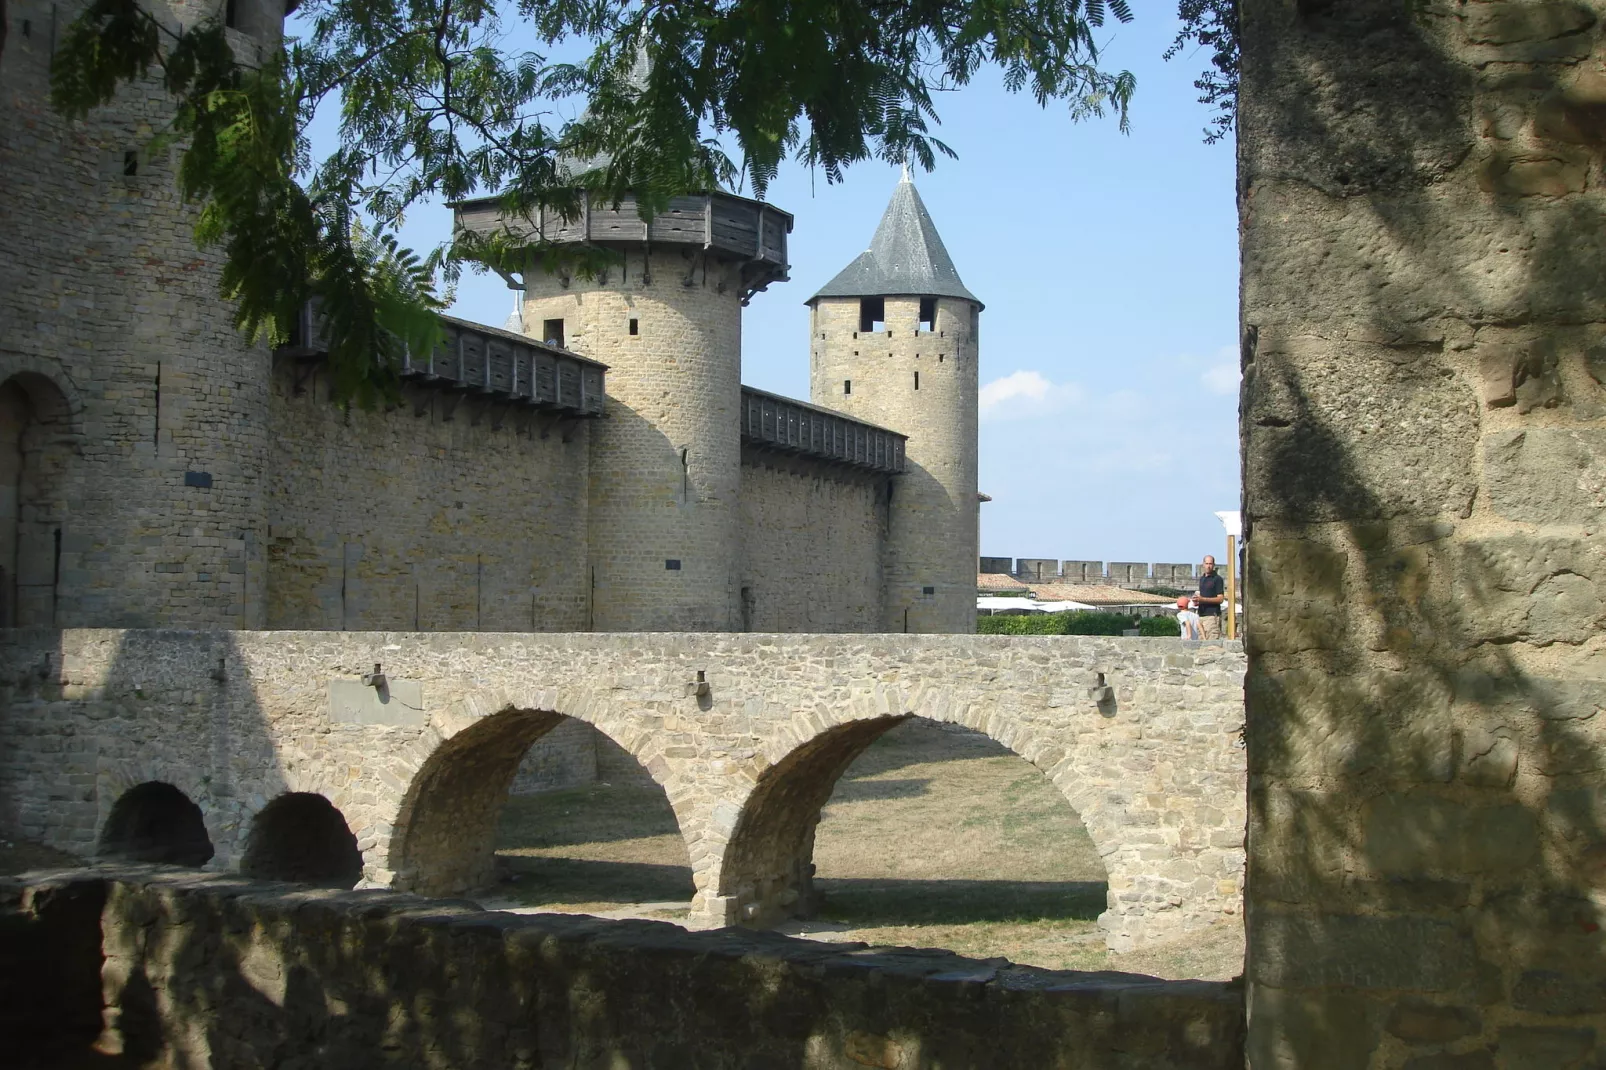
pixel 388 979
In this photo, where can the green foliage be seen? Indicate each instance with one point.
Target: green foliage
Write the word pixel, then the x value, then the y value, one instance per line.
pixel 1078 622
pixel 433 104
pixel 1212 24
pixel 1163 625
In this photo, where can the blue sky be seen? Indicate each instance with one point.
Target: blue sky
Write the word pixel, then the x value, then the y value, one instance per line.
pixel 1108 264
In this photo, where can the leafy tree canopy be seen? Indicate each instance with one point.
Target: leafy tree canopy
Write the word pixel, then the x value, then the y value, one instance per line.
pixel 435 102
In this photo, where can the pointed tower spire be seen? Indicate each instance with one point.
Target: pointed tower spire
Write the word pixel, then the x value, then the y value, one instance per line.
pixel 906 256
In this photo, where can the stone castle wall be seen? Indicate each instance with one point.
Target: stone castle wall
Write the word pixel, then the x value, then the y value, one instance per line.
pixel 813 546
pixel 442 514
pixel 361 980
pixel 1423 200
pixel 923 384
pixel 153 511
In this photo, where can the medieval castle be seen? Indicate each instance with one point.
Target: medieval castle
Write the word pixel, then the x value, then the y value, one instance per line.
pixel 604 470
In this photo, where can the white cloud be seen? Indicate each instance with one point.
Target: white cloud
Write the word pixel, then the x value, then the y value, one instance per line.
pixel 1026 392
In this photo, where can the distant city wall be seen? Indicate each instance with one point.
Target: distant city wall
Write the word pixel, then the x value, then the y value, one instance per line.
pixel 1117 573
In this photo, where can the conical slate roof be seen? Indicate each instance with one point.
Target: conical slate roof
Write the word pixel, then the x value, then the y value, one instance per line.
pixel 906 257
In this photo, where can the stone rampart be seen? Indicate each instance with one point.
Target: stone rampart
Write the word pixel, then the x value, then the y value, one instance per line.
pixel 813 545
pixel 746 733
pixel 445 513
pixel 216 972
pixel 1115 574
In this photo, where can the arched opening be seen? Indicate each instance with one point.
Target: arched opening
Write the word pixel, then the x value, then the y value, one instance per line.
pixel 301 836
pixel 35 437
pixel 769 862
pixel 156 822
pixel 553 826
pixel 908 831
pixel 586 828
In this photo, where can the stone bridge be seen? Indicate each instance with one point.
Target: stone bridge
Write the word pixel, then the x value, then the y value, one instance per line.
pixel 268 733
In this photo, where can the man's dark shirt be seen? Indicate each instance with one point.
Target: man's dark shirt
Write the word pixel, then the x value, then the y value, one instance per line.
pixel 1211 586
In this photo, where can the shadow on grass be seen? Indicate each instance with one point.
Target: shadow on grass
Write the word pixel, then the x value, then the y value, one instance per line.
pixel 957 902
pixel 865 790
pixel 574 817
pixel 537 881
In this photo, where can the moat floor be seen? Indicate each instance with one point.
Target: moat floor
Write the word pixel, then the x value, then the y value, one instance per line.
pixel 933 838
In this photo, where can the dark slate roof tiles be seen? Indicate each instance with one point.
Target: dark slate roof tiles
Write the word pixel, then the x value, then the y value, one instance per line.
pixel 906 257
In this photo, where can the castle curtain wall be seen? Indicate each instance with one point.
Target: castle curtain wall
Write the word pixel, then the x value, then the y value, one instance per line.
pixel 813 537
pixel 444 513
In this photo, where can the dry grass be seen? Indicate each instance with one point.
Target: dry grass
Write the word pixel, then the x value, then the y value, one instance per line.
pixel 933 838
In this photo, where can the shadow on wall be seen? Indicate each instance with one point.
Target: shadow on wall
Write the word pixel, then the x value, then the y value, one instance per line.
pixel 1427 846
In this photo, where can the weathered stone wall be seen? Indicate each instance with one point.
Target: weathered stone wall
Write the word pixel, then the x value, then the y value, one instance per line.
pixel 152 511
pixel 813 543
pixel 1424 304
pixel 420 769
pixel 382 980
pixel 566 757
pixel 923 384
pixel 463 517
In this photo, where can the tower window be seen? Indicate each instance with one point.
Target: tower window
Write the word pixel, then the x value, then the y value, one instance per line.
pixel 872 314
pixel 928 591
pixel 928 313
pixel 131 163
pixel 917 380
pixel 672 564
pixel 939 358
pixel 847 386
pixel 552 332
pixel 635 326
pixel 231 14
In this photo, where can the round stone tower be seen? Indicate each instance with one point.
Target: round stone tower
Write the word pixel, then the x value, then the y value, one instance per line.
pixel 666 459
pixel 893 341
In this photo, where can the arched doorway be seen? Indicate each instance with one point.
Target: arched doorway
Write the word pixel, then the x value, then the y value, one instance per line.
pixel 301 836
pixel 156 822
pixel 910 831
pixel 35 437
pixel 460 830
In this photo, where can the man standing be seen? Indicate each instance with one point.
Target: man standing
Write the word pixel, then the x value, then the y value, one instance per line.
pixel 1211 594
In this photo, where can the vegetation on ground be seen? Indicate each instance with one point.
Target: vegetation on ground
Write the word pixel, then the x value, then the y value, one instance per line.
pixel 1074 622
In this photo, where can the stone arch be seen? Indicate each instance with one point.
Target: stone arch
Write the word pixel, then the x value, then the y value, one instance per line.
pixel 445 828
pixel 156 822
pixel 766 874
pixel 300 836
pixel 39 438
pixel 768 869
